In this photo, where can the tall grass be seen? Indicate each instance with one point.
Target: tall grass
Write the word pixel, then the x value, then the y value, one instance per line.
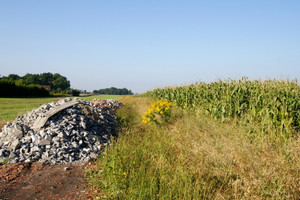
pixel 275 105
pixel 193 157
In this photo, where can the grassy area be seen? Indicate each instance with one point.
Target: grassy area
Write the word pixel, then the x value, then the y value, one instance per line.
pixel 194 157
pixel 10 108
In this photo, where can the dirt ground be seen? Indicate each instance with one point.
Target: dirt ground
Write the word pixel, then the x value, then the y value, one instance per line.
pixel 41 181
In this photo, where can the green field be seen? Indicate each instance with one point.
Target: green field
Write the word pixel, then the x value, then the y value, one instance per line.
pixel 10 108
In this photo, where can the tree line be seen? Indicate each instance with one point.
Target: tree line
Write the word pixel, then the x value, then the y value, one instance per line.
pixel 10 88
pixel 113 91
pixel 58 83
pixel 14 85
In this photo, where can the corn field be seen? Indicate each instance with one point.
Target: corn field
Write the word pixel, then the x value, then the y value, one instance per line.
pixel 274 104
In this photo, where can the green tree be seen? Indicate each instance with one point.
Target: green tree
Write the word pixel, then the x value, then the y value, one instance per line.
pixel 114 91
pixel 31 79
pixel 46 78
pixel 60 82
pixel 13 77
pixel 75 92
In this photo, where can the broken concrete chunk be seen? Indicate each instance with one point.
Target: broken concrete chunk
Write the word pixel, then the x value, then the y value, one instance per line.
pixel 44 142
pixel 15 144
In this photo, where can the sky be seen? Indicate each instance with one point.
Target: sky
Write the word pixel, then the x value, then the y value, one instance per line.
pixel 142 45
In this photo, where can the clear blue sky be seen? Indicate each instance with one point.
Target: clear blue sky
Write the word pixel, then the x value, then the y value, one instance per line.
pixel 143 44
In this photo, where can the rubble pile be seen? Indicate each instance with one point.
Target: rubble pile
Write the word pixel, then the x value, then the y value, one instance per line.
pixel 76 133
pixel 107 104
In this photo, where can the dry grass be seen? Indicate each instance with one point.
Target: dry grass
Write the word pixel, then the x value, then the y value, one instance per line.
pixel 266 168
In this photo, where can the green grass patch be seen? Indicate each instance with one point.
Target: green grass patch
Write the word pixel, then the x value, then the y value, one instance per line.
pixel 194 157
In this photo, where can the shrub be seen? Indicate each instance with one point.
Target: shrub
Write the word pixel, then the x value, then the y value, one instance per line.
pixel 75 92
pixel 158 111
pixel 11 89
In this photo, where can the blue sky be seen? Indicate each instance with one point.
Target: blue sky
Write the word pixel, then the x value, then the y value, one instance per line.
pixel 142 45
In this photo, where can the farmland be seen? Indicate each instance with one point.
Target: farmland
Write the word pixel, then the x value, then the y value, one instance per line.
pixel 207 149
pixel 274 105
pixel 224 140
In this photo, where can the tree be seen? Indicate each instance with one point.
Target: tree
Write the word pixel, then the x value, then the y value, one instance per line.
pixel 46 78
pixel 75 92
pixel 13 77
pixel 114 91
pixel 31 79
pixel 60 82
pixel 57 82
pixel 20 82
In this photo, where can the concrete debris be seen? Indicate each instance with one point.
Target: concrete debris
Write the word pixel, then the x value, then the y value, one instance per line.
pixel 75 134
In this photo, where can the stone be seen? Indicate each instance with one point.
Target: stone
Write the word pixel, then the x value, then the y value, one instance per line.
pixel 33 138
pixel 42 133
pixel 93 156
pixel 61 135
pixel 44 142
pixel 45 158
pixel 12 155
pixel 75 145
pixel 35 149
pixel 15 144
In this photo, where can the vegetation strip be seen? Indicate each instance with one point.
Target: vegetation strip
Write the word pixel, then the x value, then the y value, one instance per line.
pixel 194 157
pixel 274 104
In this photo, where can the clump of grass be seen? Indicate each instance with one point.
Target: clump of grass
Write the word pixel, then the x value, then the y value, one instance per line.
pixel 195 157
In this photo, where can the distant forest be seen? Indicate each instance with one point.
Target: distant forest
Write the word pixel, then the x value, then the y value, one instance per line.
pixel 30 85
pixel 114 91
pixel 58 83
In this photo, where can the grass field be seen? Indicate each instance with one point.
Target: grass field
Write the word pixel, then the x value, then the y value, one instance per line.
pixel 194 157
pixel 10 108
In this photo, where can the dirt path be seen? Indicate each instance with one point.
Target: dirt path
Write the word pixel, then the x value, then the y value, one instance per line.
pixel 40 181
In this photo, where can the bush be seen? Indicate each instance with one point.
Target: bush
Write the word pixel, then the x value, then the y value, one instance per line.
pixel 11 89
pixel 75 92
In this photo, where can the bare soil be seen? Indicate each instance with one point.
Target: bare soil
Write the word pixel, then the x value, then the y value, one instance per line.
pixel 41 181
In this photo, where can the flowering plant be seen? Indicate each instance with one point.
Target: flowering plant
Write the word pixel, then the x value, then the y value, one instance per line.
pixel 158 111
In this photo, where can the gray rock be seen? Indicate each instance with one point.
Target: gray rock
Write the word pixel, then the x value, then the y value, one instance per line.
pixel 15 144
pixel 93 156
pixel 35 149
pixel 61 135
pixel 44 142
pixel 12 155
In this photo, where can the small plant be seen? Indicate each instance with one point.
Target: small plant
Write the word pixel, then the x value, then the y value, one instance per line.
pixel 157 112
